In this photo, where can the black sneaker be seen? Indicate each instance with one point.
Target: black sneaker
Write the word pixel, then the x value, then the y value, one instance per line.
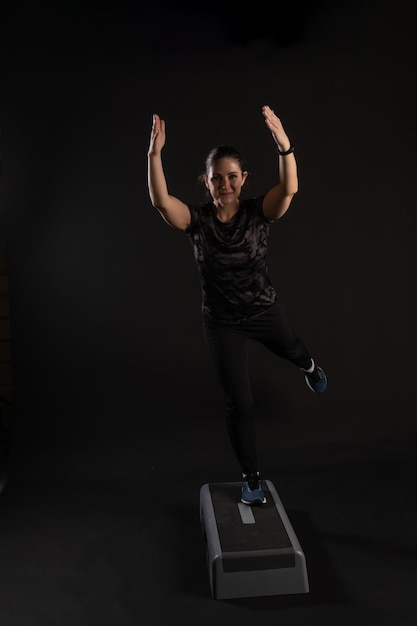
pixel 316 380
pixel 251 490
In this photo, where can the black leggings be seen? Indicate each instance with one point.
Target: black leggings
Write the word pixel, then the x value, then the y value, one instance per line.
pixel 227 347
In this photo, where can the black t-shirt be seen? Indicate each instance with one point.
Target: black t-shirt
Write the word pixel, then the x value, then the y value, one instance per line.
pixel 231 260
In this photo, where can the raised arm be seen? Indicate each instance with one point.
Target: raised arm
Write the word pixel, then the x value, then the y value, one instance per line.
pixel 278 199
pixel 175 212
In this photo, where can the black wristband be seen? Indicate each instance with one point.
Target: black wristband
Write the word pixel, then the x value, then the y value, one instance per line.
pixel 289 151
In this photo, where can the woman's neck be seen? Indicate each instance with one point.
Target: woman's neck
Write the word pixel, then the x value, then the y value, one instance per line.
pixel 226 213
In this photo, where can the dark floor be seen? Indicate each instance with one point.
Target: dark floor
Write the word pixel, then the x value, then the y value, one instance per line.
pixel 117 540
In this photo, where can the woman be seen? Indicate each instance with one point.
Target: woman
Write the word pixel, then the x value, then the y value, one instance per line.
pixel 229 237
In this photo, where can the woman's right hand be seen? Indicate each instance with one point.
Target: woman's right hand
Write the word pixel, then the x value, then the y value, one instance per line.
pixel 158 136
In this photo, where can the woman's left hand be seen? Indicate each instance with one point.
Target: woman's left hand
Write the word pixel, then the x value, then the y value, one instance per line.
pixel 275 126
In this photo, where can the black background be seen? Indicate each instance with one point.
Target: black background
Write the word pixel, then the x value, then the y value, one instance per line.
pixel 113 396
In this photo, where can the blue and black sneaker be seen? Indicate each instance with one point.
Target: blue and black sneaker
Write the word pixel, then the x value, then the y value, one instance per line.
pixel 316 380
pixel 251 490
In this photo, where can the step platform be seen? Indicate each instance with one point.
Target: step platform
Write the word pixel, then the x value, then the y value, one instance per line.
pixel 251 551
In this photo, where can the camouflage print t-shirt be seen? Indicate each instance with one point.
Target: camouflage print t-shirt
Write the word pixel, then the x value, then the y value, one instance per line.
pixel 231 260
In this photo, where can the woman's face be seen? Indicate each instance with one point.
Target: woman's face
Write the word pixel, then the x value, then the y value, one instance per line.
pixel 225 180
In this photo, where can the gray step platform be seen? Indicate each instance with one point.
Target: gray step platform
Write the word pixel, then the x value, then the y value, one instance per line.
pixel 251 551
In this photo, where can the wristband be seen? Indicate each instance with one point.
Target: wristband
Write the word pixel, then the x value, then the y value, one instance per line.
pixel 289 151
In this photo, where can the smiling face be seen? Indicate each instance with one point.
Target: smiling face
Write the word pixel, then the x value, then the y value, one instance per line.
pixel 224 180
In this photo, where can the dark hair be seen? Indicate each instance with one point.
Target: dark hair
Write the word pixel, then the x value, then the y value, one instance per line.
pixel 223 152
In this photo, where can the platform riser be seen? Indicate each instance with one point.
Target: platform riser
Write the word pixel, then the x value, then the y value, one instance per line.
pixel 252 574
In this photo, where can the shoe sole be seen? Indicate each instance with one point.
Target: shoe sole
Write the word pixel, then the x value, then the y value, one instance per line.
pixel 254 503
